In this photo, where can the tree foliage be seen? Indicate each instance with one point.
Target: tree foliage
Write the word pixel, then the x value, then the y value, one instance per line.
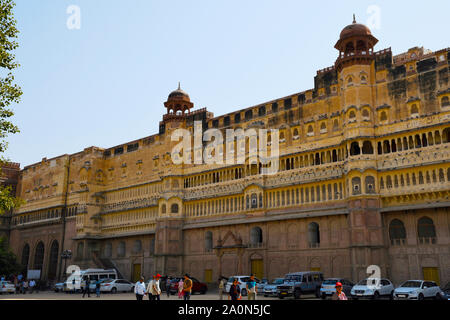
pixel 10 92
pixel 8 260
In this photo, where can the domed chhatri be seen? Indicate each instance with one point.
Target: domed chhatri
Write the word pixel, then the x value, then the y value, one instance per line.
pixel 178 103
pixel 355 29
pixel 178 95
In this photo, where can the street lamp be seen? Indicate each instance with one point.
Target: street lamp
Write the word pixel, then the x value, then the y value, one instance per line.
pixel 66 254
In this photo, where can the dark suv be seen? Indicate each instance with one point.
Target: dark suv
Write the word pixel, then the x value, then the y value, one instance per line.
pixel 298 283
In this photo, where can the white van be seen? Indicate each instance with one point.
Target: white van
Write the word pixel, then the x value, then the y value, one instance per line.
pixel 93 274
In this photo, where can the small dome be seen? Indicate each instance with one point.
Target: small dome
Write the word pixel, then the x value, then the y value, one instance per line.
pixel 355 29
pixel 178 94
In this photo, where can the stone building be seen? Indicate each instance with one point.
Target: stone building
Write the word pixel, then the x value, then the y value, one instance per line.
pixel 364 180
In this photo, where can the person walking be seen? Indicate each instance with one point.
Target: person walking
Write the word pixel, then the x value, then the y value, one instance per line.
pixel 32 285
pixel 86 287
pixel 25 286
pixel 187 287
pixel 139 289
pixel 222 285
pixel 235 290
pixel 97 288
pixel 74 289
pixel 339 294
pixel 180 288
pixel 168 286
pixel 155 290
pixel 251 288
pixel 149 289
pixel 16 284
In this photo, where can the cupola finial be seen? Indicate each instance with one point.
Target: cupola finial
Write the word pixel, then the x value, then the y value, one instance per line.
pixel 179 85
pixel 354 18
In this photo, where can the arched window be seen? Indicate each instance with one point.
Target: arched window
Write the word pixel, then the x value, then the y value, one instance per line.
pixel 80 250
pixel 53 260
pixel 121 249
pixel 310 130
pixel 174 208
pixel 256 237
pixel 295 133
pixel 323 127
pixel 208 241
pixel 445 102
pixel 313 235
pixel 25 256
pixel 356 185
pixel 414 110
pixel 383 116
pixel 365 114
pixel 370 184
pixel 39 256
pixel 397 232
pixel 352 116
pixel 137 246
pixel 152 246
pixel 107 251
pixel 367 147
pixel 426 231
pixel 254 199
pixel 163 208
pixel 354 149
pixel 349 81
pixel 335 125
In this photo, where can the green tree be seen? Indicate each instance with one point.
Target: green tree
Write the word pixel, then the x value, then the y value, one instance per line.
pixel 8 260
pixel 9 91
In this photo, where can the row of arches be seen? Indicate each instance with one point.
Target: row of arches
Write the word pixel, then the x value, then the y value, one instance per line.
pixel 407 179
pixel 414 141
pixel 426 231
pixel 37 259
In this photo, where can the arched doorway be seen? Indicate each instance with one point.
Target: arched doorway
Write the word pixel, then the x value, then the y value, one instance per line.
pixel 39 257
pixel 53 261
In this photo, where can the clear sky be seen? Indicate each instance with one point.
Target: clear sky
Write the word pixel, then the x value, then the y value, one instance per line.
pixel 105 83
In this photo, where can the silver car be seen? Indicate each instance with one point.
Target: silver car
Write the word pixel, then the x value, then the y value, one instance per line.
pixel 418 290
pixel 116 285
pixel 271 288
pixel 373 290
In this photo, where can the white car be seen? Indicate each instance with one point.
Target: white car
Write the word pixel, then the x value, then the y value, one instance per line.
pixel 243 280
pixel 418 290
pixel 116 285
pixel 370 289
pixel 7 287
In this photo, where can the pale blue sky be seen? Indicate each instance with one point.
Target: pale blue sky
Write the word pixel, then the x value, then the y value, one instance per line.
pixel 105 84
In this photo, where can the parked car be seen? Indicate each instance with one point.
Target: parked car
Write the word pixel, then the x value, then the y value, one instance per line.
pixel 243 280
pixel 446 291
pixel 116 285
pixel 299 283
pixel 270 289
pixel 328 287
pixel 262 284
pixel 7 287
pixel 58 287
pixel 418 290
pixel 197 286
pixel 366 289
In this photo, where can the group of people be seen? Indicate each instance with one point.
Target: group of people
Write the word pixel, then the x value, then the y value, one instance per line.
pixel 86 287
pixel 21 284
pixel 153 289
pixel 235 289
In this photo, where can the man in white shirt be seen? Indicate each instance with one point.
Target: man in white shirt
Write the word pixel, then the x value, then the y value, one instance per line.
pixel 32 285
pixel 139 289
pixel 154 289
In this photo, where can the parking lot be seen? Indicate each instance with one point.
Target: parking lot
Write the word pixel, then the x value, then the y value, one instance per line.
pixel 51 295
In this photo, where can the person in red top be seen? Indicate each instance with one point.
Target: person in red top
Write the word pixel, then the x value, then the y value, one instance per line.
pixel 339 295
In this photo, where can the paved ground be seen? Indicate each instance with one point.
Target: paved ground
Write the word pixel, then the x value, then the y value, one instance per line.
pixel 50 295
